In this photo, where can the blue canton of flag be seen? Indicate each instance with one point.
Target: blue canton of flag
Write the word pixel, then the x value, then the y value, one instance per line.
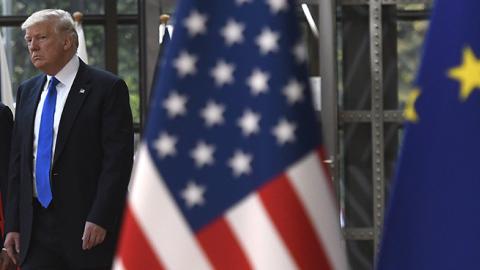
pixel 230 174
pixel 433 220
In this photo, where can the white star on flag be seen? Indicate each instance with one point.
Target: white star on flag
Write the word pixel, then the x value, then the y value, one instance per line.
pixel 284 131
pixel 175 104
pixel 300 52
pixel 267 41
pixel 222 73
pixel 196 23
pixel 213 113
pixel 193 194
pixel 277 5
pixel 203 154
pixel 240 163
pixel 249 123
pixel 165 145
pixel 185 64
pixel 232 32
pixel 293 91
pixel 258 82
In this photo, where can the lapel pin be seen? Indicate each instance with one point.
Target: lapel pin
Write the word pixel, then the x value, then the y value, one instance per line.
pixel 82 91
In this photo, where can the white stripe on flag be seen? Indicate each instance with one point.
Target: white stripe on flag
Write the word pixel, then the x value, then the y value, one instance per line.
pixel 309 181
pixel 161 220
pixel 257 235
pixel 117 264
pixel 6 94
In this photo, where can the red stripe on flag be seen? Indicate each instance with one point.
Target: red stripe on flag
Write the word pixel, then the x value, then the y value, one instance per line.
pixel 221 246
pixel 293 225
pixel 134 249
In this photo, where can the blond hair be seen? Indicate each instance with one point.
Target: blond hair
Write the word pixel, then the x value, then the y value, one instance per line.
pixel 62 19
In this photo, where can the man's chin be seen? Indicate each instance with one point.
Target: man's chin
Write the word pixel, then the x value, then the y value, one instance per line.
pixel 37 64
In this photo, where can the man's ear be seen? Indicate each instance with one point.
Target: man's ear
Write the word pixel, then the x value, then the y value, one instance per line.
pixel 67 42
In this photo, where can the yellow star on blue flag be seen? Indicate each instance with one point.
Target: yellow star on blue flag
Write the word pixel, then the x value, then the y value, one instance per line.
pixel 467 74
pixel 410 112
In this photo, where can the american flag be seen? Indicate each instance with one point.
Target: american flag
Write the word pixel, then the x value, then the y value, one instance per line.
pixel 230 175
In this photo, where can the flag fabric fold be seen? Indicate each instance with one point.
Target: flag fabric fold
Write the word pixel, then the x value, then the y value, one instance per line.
pixel 82 46
pixel 432 220
pixel 166 37
pixel 164 33
pixel 6 84
pixel 230 173
pixel 165 40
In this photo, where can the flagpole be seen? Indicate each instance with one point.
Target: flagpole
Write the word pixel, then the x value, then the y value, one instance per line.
pixel 164 19
pixel 162 30
pixel 82 47
pixel 78 16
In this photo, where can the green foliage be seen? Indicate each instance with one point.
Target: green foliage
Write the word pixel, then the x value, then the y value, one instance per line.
pixel 127 7
pixel 27 7
pixel 409 46
pixel 128 55
pixel 95 43
pixel 135 103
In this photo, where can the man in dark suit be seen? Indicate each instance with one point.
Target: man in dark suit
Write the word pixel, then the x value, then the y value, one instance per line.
pixel 72 155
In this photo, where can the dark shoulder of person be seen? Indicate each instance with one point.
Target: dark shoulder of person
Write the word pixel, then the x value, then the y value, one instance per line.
pixel 6 115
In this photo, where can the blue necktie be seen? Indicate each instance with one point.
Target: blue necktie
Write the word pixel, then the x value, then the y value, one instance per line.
pixel 45 145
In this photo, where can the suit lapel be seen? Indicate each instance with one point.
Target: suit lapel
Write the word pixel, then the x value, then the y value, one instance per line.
pixel 30 104
pixel 75 99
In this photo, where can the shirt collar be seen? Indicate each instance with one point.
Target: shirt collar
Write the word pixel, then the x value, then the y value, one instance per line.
pixel 67 74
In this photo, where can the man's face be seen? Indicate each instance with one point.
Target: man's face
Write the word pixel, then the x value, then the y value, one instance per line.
pixel 47 48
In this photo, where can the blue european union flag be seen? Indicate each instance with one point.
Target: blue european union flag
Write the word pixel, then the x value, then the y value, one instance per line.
pixel 433 220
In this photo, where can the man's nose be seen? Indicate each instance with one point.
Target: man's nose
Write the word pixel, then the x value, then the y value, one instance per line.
pixel 33 45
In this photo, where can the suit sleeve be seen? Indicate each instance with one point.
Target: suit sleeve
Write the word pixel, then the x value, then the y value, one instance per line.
pixel 6 125
pixel 12 203
pixel 117 145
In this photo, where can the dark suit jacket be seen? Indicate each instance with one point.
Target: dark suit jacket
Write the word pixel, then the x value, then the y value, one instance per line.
pixel 91 165
pixel 6 123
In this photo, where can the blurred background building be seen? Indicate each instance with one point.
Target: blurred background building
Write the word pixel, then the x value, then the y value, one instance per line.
pixel 366 53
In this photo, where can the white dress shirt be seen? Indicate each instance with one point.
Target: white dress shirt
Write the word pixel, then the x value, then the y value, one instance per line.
pixel 65 76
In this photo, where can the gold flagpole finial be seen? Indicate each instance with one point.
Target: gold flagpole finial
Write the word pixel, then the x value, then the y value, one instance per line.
pixel 78 16
pixel 164 18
